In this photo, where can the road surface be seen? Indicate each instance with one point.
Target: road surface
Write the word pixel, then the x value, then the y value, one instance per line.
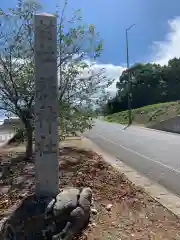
pixel 154 153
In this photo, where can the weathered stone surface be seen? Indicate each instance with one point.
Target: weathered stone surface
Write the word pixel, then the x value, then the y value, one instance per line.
pixel 46 106
pixel 78 219
pixel 73 226
pixel 66 201
pixel 49 209
pixel 76 214
pixel 71 212
pixel 85 199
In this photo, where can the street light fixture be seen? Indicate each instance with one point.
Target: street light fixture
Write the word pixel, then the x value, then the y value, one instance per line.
pixel 129 77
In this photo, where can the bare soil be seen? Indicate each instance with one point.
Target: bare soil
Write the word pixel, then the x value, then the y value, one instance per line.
pixel 134 214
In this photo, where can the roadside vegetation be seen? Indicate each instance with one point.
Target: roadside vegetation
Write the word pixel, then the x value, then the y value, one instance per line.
pixel 151 85
pixel 148 115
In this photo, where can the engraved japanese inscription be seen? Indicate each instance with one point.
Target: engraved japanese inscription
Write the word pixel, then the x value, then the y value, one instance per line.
pixel 46 106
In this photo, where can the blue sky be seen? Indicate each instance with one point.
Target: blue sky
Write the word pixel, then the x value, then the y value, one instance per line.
pixel 113 17
pixel 155 37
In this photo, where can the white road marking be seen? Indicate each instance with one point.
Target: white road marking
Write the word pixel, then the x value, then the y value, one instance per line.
pixel 139 154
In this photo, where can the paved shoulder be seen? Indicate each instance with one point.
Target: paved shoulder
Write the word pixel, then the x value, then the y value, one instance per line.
pixel 159 193
pixel 153 153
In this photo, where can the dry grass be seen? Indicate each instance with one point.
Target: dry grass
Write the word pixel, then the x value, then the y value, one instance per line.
pixel 134 214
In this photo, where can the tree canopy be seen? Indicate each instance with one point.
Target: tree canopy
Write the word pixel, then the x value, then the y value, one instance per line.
pixel 151 83
pixel 81 85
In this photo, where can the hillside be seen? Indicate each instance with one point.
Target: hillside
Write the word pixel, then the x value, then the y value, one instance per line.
pixel 148 115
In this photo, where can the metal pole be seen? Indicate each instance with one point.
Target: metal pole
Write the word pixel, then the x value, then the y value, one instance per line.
pixel 129 77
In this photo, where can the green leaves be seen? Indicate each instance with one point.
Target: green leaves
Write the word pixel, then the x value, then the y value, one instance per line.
pixel 74 119
pixel 150 84
pixel 81 84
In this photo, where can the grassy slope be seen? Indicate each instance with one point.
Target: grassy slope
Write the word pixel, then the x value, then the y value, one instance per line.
pixel 147 115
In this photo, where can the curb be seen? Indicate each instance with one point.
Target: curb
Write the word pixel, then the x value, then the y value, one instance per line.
pixel 157 130
pixel 156 191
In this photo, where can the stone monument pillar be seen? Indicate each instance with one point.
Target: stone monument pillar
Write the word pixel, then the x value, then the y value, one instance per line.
pixel 46 106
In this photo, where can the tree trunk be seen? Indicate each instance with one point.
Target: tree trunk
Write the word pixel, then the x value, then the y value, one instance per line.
pixel 29 143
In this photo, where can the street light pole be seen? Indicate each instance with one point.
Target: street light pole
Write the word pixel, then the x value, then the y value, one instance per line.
pixel 129 77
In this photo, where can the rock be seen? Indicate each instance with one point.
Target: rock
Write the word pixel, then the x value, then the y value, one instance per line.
pixel 49 209
pixel 93 224
pixel 71 212
pixel 78 219
pixel 103 205
pixel 72 160
pixel 74 225
pixel 94 211
pixel 65 233
pixel 109 207
pixel 66 201
pixel 85 199
pixel 84 202
pixel 92 202
pixel 76 214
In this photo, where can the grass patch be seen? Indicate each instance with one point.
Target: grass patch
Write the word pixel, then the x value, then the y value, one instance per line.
pixel 147 115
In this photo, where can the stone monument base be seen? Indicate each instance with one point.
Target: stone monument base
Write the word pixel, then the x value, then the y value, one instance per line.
pixel 50 218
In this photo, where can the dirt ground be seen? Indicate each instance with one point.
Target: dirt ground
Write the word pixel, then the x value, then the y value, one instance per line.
pixel 134 215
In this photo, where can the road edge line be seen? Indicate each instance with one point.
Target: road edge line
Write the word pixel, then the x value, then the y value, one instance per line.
pixel 159 193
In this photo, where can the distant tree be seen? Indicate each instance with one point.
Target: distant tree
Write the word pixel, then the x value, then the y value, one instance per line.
pixel 171 80
pixel 151 83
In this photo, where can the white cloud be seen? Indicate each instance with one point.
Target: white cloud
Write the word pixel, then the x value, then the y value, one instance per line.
pixel 114 72
pixel 111 71
pixel 170 47
pixel 162 52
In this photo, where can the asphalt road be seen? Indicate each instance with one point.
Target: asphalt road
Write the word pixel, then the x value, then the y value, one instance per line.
pixel 156 154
